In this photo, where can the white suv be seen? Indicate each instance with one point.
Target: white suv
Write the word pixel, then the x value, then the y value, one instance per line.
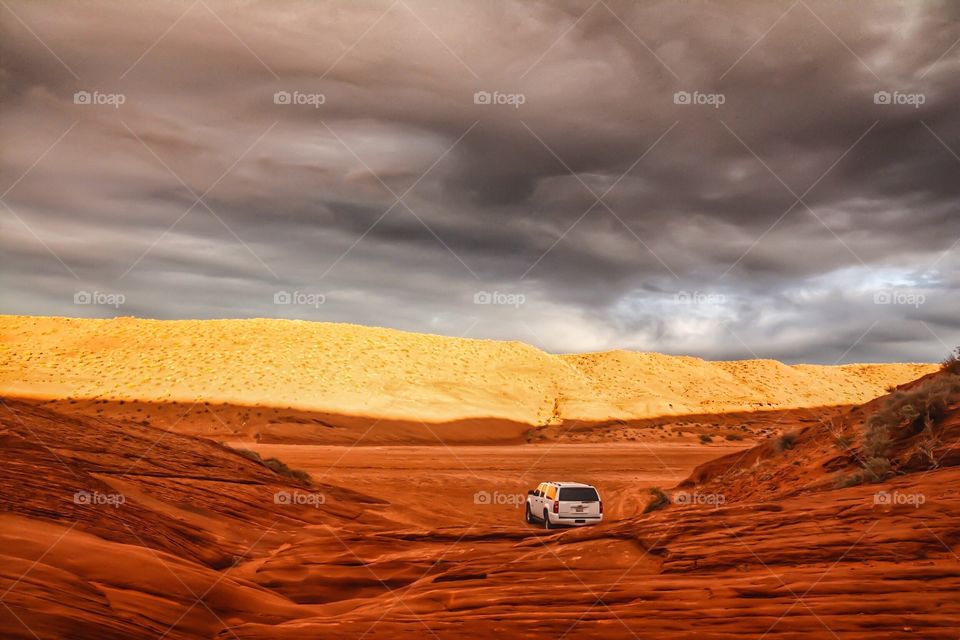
pixel 564 503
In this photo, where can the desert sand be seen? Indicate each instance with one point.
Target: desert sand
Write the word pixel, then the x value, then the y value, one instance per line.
pixel 349 370
pixel 400 544
pixel 285 480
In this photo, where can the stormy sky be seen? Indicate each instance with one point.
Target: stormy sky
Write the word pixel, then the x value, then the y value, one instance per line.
pixel 720 179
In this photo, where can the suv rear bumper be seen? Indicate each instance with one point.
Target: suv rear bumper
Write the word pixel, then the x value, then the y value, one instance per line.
pixel 575 521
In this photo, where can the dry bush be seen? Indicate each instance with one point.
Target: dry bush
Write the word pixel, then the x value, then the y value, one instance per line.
pixel 852 480
pixel 659 499
pixel 877 469
pixel 874 470
pixel 247 453
pixel 280 467
pixel 274 464
pixel 910 412
pixel 952 362
pixel 786 441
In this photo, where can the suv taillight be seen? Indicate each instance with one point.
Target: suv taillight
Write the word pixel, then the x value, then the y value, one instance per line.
pixel 556 506
pixel 601 507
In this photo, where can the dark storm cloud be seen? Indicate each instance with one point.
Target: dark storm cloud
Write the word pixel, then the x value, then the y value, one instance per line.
pixel 799 219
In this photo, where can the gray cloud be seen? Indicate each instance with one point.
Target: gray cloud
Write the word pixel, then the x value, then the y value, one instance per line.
pixel 699 244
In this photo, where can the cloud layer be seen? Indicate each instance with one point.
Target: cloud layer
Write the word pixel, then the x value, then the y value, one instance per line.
pixel 719 179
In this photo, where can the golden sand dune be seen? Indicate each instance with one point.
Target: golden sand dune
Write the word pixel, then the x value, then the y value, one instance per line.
pixel 365 371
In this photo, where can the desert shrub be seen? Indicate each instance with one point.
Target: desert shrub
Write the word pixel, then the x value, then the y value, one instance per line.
pixel 281 468
pixel 704 438
pixel 929 442
pixel 734 436
pixel 874 470
pixel 852 480
pixel 249 455
pixel 843 441
pixel 877 469
pixel 658 500
pixel 274 464
pixel 876 441
pixel 786 441
pixel 912 410
pixel 952 362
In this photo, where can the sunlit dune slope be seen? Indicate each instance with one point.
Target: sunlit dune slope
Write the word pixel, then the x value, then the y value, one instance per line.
pixel 354 370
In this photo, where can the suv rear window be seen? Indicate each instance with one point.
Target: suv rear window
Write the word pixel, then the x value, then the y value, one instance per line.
pixel 582 494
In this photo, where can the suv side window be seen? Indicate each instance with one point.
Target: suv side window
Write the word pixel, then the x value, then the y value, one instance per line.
pixel 539 491
pixel 552 492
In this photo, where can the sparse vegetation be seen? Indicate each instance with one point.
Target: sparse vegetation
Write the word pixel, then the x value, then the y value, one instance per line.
pixel 734 436
pixel 877 469
pixel 908 412
pixel 874 470
pixel 274 464
pixel 853 480
pixel 704 438
pixel 786 441
pixel 952 362
pixel 247 453
pixel 659 499
pixel 843 441
pixel 280 467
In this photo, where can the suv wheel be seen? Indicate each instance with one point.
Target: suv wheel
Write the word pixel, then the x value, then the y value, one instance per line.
pixel 529 515
pixel 546 520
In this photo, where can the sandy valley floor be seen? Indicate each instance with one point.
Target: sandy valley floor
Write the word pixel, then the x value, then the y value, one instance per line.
pixel 439 486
